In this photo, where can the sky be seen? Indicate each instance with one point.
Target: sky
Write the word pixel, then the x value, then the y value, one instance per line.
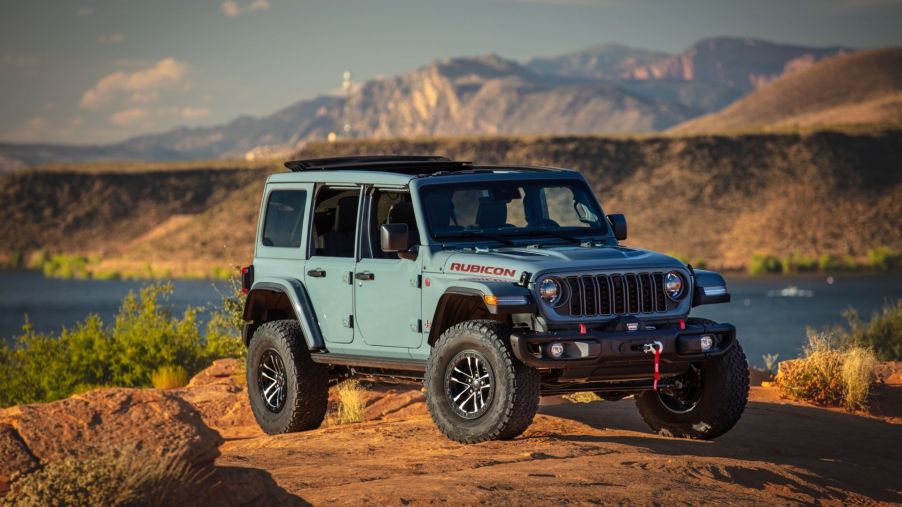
pixel 88 72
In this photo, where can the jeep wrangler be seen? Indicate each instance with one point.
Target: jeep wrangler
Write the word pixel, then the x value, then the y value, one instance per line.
pixel 495 285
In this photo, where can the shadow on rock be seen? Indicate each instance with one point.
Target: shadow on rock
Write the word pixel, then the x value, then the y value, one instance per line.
pixel 831 450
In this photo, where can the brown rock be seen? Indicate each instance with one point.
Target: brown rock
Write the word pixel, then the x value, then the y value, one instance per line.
pixel 15 458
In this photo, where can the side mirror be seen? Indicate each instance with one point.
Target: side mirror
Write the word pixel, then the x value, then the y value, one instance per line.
pixel 618 223
pixel 393 237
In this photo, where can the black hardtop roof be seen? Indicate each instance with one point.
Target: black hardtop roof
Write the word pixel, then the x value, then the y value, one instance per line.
pixel 415 165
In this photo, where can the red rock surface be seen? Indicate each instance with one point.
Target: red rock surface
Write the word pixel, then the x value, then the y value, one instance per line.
pixel 780 452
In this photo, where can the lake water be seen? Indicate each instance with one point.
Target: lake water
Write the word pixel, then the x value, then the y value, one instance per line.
pixel 770 313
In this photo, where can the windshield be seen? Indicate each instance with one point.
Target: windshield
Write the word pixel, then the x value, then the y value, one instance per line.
pixel 504 210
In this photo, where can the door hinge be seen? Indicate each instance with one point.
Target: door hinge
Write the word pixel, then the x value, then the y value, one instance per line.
pixel 348 277
pixel 416 326
pixel 417 282
pixel 348 322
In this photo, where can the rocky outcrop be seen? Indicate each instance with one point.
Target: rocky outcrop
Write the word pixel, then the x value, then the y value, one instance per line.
pixel 140 426
pixel 101 422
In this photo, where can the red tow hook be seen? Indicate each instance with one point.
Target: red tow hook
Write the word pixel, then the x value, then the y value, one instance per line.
pixel 582 328
pixel 655 347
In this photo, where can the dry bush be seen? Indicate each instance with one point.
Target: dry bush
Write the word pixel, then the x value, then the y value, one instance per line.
pixel 169 377
pixel 114 479
pixel 349 408
pixel 827 374
pixel 858 373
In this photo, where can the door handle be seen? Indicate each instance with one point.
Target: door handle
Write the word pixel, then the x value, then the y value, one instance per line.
pixel 317 273
pixel 365 275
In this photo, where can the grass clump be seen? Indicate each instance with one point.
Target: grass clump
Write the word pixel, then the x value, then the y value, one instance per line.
pixel 828 374
pixel 144 337
pixel 135 478
pixel 582 397
pixel 169 377
pixel 349 406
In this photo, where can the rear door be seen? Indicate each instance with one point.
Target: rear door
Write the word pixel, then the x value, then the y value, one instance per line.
pixel 388 301
pixel 330 267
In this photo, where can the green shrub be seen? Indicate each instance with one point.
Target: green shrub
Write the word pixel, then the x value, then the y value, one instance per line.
pixel 830 262
pixel 169 377
pixel 761 264
pixel 37 259
pixel 15 259
pixel 66 266
pixel 771 362
pixel 798 263
pixel 883 333
pixel 884 259
pixel 144 336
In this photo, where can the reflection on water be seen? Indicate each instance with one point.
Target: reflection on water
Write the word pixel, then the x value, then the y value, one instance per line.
pixel 770 313
pixel 52 303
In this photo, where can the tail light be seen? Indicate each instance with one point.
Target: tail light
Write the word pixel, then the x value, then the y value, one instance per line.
pixel 247 278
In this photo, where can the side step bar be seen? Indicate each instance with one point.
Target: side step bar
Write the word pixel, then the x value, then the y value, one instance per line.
pixel 369 362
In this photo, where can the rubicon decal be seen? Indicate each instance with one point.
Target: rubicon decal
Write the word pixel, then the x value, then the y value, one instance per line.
pixel 485 270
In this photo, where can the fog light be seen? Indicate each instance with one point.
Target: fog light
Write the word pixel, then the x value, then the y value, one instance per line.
pixel 706 341
pixel 556 350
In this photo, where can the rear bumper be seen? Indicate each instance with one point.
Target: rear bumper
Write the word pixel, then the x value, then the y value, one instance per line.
pixel 601 355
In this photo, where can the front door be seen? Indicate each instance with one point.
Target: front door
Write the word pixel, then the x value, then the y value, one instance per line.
pixel 330 268
pixel 387 295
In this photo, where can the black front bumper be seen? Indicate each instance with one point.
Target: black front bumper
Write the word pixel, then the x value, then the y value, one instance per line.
pixel 621 355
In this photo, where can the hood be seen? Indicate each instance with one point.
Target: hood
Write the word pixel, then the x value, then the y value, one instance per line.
pixel 511 262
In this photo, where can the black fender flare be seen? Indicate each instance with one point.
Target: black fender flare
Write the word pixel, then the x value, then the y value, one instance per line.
pixel 300 303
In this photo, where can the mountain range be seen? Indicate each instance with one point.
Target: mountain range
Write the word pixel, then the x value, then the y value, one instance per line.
pixel 603 89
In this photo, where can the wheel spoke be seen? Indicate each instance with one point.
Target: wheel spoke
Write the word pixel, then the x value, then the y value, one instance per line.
pixel 460 382
pixel 464 403
pixel 458 370
pixel 267 377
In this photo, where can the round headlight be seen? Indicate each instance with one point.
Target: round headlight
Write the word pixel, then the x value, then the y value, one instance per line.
pixel 673 285
pixel 550 290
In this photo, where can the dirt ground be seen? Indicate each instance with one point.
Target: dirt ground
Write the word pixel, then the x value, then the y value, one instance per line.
pixel 601 452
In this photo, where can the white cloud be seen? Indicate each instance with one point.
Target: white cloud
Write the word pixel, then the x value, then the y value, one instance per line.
pixel 165 73
pixel 233 8
pixel 112 38
pixel 129 116
pixel 194 113
pixel 84 11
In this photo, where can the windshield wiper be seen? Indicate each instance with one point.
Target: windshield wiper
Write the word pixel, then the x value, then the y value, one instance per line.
pixel 476 234
pixel 561 235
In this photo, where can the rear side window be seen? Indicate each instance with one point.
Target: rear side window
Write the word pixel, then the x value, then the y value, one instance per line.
pixel 284 218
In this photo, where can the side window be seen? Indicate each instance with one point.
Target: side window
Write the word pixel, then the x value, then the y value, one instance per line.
pixel 284 218
pixel 335 222
pixel 389 207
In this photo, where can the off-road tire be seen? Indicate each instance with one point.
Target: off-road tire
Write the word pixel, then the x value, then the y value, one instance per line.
pixel 516 386
pixel 306 382
pixel 725 392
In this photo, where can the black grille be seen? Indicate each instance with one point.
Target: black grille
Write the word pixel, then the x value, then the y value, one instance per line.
pixel 626 294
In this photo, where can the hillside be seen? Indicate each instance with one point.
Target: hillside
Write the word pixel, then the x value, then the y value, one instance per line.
pixel 727 198
pixel 605 89
pixel 860 88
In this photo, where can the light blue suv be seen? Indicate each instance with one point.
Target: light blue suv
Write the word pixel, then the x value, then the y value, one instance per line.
pixel 495 285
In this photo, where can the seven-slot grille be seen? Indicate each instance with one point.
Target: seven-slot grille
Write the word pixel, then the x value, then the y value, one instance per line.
pixel 615 294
